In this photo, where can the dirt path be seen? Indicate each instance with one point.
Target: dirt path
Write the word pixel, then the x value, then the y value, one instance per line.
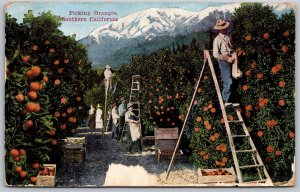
pixel 101 152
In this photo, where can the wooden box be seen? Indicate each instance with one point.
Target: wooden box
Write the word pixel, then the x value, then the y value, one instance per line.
pixel 74 155
pixel 74 149
pixel 166 133
pixel 202 179
pixel 46 180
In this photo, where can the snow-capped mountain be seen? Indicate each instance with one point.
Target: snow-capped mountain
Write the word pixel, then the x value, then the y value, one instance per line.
pixel 142 27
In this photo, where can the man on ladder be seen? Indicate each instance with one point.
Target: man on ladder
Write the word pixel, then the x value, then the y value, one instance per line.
pixel 222 51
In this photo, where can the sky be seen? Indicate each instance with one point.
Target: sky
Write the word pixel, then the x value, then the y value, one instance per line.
pixel 83 28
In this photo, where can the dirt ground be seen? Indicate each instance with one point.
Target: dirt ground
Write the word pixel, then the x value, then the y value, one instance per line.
pixel 101 152
pixel 107 164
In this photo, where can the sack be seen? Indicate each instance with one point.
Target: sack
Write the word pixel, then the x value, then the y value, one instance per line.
pixel 236 72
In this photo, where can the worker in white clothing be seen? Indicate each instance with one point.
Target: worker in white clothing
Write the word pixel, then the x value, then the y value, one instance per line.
pixel 134 129
pixel 115 121
pixel 99 121
pixel 108 77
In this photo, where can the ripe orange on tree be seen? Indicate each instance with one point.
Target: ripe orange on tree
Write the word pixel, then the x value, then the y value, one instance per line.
pixel 36 166
pixel 36 71
pixel 33 180
pixel 20 97
pixel 32 95
pixel 23 174
pixel 34 86
pixel 18 169
pixel 14 152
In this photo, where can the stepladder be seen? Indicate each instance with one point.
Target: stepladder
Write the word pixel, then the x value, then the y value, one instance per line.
pixel 134 101
pixel 248 164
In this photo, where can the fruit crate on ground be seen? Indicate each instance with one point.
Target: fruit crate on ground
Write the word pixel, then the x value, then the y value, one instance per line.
pixel 74 149
pixel 224 175
pixel 46 177
pixel 165 142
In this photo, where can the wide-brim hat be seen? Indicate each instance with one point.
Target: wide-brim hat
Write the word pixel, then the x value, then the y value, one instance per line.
pixel 129 105
pixel 98 106
pixel 221 24
pixel 107 67
pixel 122 99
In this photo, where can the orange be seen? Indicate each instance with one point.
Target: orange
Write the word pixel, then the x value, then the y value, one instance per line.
pixel 213 110
pixel 56 62
pixel 14 152
pixel 34 47
pixel 34 86
pixel 45 78
pixel 281 84
pixel 36 71
pixel 210 106
pixel 60 70
pixel 23 174
pixel 231 118
pixel 202 153
pixel 28 124
pixel 56 82
pixel 212 138
pixel 260 133
pixel 218 163
pixel 259 76
pixel 32 95
pixel 266 35
pixel 274 70
pixel 51 50
pixel 281 102
pixel 47 42
pixel 53 141
pixel 78 99
pixel 278 153
pixel 253 65
pixel 248 107
pixel 216 135
pixel 20 97
pixel 248 37
pixel 52 132
pixel 25 58
pixel 66 61
pixel 205 108
pixel 292 135
pixel 248 73
pixel 33 180
pixel 224 159
pixel 197 129
pixel 29 74
pixel 18 169
pixel 56 114
pixel 270 149
pixel 63 126
pixel 284 48
pixel 286 34
pixel 69 110
pixel 36 166
pixel 245 87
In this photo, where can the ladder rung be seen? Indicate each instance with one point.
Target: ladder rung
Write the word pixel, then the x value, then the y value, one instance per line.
pixel 233 105
pixel 135 89
pixel 245 151
pixel 250 166
pixel 240 135
pixel 236 121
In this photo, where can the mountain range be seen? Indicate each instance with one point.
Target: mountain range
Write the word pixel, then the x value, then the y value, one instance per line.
pixel 148 30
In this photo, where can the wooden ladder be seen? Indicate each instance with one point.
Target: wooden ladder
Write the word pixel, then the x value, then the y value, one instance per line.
pixel 133 99
pixel 258 163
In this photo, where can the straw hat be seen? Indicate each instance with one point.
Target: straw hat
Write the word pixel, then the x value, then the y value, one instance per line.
pixel 129 105
pixel 221 24
pixel 107 67
pixel 98 106
pixel 122 99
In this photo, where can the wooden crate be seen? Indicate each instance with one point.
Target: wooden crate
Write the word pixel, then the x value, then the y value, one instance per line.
pixel 74 155
pixel 166 133
pixel 75 140
pixel 165 142
pixel 47 180
pixel 216 178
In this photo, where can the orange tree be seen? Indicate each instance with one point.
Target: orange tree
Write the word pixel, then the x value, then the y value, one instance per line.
pixel 39 110
pixel 167 79
pixel 265 93
pixel 268 85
